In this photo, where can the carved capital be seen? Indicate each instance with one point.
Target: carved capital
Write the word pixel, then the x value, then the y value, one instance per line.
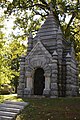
pixel 47 74
pixel 28 74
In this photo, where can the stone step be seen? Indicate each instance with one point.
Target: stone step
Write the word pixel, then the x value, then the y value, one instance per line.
pixel 9 114
pixel 11 106
pixel 6 118
pixel 10 109
pixel 16 103
pixel 6 109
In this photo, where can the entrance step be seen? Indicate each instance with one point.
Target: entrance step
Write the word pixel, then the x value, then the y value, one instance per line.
pixel 9 114
pixel 12 106
pixel 10 109
pixel 16 103
pixel 14 110
pixel 5 118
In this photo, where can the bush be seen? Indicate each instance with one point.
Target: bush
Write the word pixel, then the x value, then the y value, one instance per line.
pixel 6 89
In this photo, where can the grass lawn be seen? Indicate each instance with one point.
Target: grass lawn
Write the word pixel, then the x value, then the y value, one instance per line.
pixel 48 109
pixel 51 109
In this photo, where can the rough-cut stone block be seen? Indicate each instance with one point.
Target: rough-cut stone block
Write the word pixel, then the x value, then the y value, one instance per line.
pixel 69 93
pixel 54 80
pixel 20 91
pixel 54 75
pixel 46 92
pixel 54 93
pixel 27 91
pixel 54 86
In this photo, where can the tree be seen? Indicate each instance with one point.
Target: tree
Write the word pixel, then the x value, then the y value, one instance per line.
pixel 16 50
pixel 10 51
pixel 5 69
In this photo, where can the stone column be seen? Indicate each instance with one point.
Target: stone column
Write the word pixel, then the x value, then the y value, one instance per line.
pixel 60 51
pixel 68 75
pixel 46 91
pixel 54 78
pixel 30 43
pixel 20 89
pixel 29 85
pixel 71 77
pixel 77 78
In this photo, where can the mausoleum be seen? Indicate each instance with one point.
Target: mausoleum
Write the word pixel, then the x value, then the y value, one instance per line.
pixel 49 68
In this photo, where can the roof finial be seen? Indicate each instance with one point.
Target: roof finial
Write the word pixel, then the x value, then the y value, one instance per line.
pixel 30 35
pixel 51 7
pixel 59 30
pixel 39 38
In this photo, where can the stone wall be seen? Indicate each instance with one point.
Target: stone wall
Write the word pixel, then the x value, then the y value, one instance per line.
pixel 71 77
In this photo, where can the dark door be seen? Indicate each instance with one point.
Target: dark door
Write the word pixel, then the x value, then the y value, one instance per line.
pixel 39 81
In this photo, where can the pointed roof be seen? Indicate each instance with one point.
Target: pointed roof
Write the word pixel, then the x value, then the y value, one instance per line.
pixel 49 33
pixel 50 27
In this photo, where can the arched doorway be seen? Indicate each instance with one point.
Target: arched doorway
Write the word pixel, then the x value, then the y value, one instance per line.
pixel 39 81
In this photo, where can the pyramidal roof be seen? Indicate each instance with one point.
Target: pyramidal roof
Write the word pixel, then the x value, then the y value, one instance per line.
pixel 50 27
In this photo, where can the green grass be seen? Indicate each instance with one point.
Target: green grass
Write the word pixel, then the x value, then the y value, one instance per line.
pixel 48 109
pixel 51 109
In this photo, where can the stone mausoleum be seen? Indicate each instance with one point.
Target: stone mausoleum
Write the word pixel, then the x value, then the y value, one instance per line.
pixel 49 68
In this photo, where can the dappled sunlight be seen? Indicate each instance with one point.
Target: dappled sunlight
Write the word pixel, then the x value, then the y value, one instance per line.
pixel 9 97
pixel 51 109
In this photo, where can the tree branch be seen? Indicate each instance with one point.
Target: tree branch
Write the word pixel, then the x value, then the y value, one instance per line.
pixel 38 13
pixel 73 16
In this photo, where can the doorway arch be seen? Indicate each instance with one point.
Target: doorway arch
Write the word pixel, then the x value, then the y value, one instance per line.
pixel 39 81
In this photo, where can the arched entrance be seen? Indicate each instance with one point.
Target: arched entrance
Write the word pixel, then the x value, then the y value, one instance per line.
pixel 39 81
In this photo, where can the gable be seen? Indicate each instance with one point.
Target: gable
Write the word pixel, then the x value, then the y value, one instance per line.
pixel 39 49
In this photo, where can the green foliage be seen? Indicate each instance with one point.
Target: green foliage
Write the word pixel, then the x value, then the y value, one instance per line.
pixel 16 49
pixel 5 73
pixel 9 97
pixel 10 51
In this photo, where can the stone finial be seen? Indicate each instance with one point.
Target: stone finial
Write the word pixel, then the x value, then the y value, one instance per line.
pixel 30 43
pixel 30 35
pixel 68 55
pixel 59 34
pixel 72 50
pixel 54 53
pixel 22 58
pixel 59 30
pixel 22 55
pixel 72 44
pixel 51 7
pixel 39 38
pixel 69 39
